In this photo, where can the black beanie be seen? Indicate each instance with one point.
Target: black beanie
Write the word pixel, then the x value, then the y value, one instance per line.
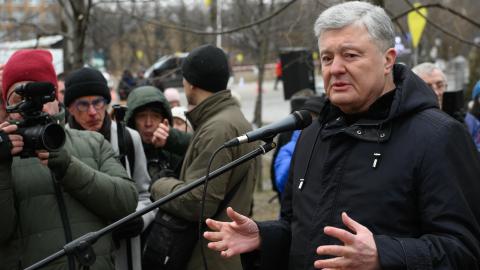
pixel 85 82
pixel 207 67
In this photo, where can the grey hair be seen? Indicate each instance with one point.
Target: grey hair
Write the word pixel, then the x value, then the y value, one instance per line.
pixel 374 18
pixel 426 69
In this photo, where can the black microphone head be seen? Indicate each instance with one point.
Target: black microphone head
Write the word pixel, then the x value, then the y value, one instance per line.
pixel 304 119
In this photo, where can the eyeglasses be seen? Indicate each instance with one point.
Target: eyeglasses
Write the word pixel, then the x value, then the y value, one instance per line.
pixel 438 85
pixel 83 105
pixel 13 98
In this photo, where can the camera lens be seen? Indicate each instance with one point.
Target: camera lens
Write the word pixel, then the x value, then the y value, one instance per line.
pixel 53 137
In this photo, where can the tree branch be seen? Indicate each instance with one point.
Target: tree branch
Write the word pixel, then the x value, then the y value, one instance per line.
pixel 441 28
pixel 227 31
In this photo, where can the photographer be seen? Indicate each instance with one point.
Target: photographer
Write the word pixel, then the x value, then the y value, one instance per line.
pixel 86 97
pixel 51 198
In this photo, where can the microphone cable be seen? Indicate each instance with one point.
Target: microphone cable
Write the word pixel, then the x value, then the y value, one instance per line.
pixel 202 208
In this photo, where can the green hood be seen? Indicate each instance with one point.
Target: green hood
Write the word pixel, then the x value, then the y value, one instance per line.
pixel 146 95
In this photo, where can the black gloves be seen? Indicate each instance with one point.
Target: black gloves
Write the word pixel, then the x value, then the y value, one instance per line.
pixel 5 147
pixel 58 162
pixel 128 230
pixel 167 173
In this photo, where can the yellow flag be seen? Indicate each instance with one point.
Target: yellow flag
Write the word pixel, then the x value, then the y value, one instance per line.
pixel 139 54
pixel 416 24
pixel 207 3
pixel 239 58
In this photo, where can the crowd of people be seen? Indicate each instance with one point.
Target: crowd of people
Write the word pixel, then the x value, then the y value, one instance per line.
pixel 381 179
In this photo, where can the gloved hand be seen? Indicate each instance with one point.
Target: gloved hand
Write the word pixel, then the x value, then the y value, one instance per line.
pixel 5 147
pixel 164 172
pixel 10 143
pixel 58 162
pixel 130 229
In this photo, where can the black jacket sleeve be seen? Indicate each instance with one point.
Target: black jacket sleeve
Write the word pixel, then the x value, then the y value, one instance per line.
pixel 448 203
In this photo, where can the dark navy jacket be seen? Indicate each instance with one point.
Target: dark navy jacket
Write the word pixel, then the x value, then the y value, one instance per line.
pixel 405 170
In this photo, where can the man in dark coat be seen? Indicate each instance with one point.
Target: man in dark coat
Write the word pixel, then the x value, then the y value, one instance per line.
pixel 383 152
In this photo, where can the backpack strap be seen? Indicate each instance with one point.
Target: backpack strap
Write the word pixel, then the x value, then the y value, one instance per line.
pixel 130 151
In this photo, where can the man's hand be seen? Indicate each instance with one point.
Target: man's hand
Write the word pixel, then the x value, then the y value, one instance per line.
pixel 358 252
pixel 231 238
pixel 57 161
pixel 160 135
pixel 16 141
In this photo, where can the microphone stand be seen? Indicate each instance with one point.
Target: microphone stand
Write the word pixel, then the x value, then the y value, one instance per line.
pixel 81 247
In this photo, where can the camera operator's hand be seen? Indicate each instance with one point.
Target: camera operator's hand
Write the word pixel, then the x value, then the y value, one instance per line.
pixel 10 144
pixel 160 135
pixel 57 161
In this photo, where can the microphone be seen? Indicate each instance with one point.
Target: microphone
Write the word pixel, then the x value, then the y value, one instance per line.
pixel 296 120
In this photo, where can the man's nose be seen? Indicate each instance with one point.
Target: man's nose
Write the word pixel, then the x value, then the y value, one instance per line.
pixel 91 110
pixel 338 66
pixel 148 121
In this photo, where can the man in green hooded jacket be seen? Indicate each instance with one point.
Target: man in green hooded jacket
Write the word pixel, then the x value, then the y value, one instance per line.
pixel 148 109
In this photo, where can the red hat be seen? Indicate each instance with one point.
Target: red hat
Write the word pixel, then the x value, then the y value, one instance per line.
pixel 28 65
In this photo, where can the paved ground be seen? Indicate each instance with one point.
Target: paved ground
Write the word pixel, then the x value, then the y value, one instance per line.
pixel 274 106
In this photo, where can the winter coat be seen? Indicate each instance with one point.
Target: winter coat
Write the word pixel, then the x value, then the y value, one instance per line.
pixel 215 121
pixel 408 173
pixel 473 125
pixel 171 156
pixel 95 189
pixel 282 162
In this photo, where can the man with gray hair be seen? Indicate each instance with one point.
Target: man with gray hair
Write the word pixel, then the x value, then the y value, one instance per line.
pixel 381 151
pixel 434 77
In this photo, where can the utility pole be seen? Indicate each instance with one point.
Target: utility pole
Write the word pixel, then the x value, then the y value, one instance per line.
pixel 219 23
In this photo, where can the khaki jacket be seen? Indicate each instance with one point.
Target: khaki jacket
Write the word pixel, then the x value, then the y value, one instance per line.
pixel 216 120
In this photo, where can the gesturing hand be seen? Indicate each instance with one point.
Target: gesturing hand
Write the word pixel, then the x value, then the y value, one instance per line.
pixel 358 252
pixel 160 135
pixel 231 238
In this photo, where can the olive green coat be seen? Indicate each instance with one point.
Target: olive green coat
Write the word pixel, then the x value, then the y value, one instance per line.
pixel 96 191
pixel 215 120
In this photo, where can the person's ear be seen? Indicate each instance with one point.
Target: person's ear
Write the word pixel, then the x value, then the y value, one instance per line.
pixel 390 57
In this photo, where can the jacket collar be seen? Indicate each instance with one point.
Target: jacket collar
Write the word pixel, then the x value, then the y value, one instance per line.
pixel 410 95
pixel 209 107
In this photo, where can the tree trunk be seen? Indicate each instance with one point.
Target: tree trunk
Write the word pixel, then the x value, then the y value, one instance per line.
pixel 262 58
pixel 75 20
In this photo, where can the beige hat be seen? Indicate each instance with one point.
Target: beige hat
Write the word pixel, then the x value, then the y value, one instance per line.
pixel 172 94
pixel 179 112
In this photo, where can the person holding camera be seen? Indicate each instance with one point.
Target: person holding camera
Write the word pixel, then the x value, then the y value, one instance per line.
pixel 86 97
pixel 52 197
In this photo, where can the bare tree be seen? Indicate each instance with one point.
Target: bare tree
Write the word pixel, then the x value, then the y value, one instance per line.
pixel 74 23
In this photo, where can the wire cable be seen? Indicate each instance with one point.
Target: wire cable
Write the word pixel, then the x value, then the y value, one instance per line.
pixel 202 212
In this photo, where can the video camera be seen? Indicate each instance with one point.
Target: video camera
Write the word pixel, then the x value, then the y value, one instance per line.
pixel 38 129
